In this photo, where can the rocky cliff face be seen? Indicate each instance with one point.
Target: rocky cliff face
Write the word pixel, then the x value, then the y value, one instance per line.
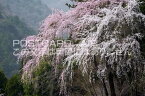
pixel 105 56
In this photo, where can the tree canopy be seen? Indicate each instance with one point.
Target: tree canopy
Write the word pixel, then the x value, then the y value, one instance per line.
pixel 3 82
pixel 14 86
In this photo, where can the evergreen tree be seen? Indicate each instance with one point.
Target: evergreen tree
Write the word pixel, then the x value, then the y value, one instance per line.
pixel 3 81
pixel 14 86
pixel 142 6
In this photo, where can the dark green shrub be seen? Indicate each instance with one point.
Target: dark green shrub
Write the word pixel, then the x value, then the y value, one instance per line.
pixel 14 86
pixel 3 81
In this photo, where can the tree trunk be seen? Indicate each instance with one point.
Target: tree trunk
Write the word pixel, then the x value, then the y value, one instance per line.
pixel 105 88
pixel 111 84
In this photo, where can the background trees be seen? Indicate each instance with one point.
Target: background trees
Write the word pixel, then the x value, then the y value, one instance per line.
pixel 3 82
pixel 11 28
pixel 142 6
pixel 14 86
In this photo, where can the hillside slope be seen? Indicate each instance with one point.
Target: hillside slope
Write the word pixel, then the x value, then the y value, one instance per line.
pixel 32 12
pixel 11 28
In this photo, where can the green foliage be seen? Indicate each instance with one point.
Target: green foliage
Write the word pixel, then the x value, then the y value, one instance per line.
pixel 44 67
pixel 74 5
pixel 3 81
pixel 142 6
pixel 44 82
pixel 14 86
pixel 28 89
pixel 142 44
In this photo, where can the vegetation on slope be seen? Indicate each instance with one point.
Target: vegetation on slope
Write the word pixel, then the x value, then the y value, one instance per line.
pixel 3 82
pixel 11 28
pixel 32 12
pixel 14 86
